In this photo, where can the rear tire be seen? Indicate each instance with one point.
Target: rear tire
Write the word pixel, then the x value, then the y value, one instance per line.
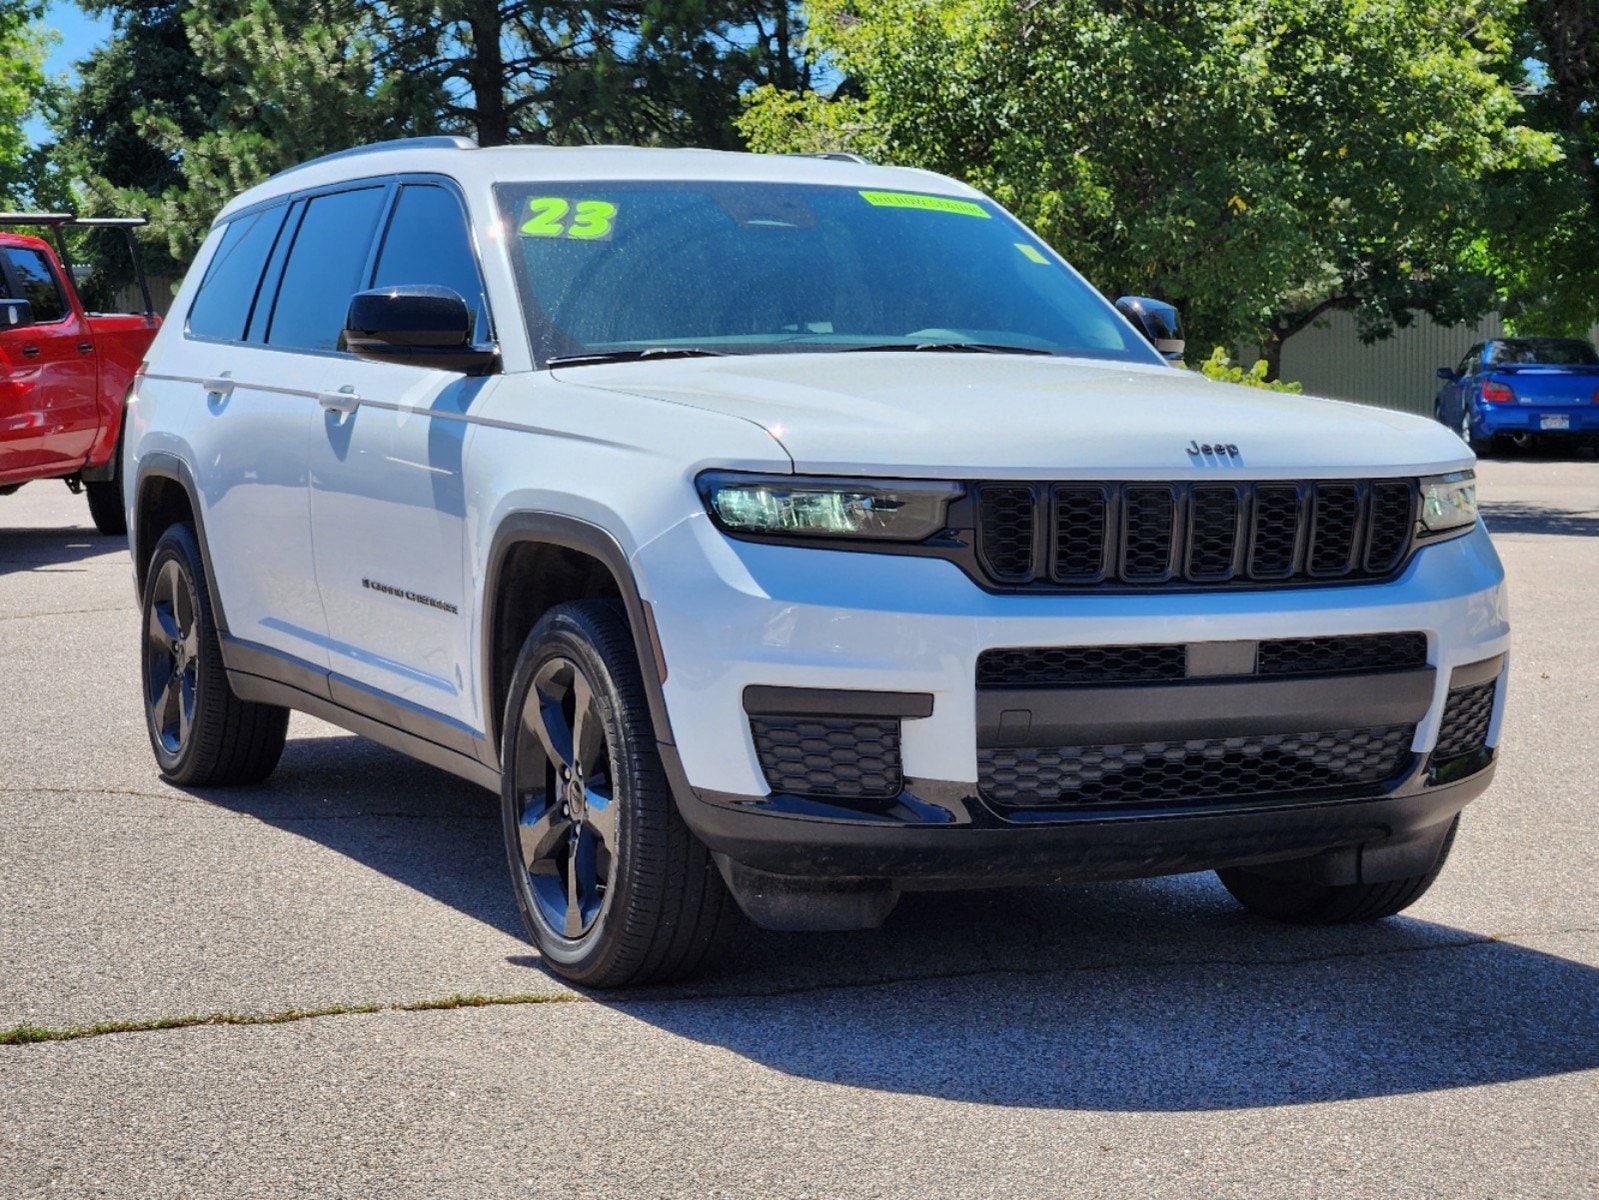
pixel 105 502
pixel 202 734
pixel 612 886
pixel 1482 447
pixel 1300 903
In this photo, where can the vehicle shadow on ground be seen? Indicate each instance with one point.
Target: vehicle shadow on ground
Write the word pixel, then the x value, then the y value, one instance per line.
pixel 36 549
pixel 1158 995
pixel 1514 517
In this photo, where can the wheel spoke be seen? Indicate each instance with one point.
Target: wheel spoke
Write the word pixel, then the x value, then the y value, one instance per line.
pixel 182 603
pixel 540 832
pixel 163 630
pixel 574 908
pixel 546 720
pixel 601 810
pixel 587 732
pixel 170 704
pixel 185 690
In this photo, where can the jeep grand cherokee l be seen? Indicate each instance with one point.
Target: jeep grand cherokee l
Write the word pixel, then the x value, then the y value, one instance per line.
pixel 786 533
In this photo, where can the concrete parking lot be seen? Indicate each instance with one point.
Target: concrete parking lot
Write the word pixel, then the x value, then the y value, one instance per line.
pixel 396 1035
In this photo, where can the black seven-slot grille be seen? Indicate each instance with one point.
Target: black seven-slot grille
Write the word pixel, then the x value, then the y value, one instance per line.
pixel 1083 535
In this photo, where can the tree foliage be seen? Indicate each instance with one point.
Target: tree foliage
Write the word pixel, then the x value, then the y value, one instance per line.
pixel 1257 161
pixel 23 88
pixel 191 103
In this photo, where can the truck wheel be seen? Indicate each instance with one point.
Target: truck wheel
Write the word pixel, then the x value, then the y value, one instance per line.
pixel 203 735
pixel 1330 904
pixel 612 886
pixel 105 502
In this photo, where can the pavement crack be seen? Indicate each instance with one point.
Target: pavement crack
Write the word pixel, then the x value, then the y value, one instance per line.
pixel 27 1033
pixel 61 612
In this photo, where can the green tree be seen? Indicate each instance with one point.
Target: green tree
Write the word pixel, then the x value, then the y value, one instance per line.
pixel 1541 243
pixel 1259 162
pixel 23 90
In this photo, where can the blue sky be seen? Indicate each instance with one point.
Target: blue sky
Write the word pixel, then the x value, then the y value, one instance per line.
pixel 80 33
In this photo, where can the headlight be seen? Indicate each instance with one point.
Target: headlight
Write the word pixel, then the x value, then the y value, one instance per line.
pixel 794 506
pixel 1449 502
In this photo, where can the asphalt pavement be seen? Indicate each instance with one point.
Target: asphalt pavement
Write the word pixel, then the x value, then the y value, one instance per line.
pixel 320 987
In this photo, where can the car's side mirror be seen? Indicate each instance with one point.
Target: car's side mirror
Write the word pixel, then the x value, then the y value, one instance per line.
pixel 1448 374
pixel 15 314
pixel 419 324
pixel 1157 321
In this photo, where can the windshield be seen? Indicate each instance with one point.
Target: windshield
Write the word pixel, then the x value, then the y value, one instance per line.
pixel 758 268
pixel 1544 352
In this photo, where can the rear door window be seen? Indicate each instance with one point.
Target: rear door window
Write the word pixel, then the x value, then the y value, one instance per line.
pixel 324 269
pixel 222 305
pixel 36 284
pixel 427 242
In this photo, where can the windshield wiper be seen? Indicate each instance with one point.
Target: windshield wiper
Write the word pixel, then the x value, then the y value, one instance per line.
pixel 960 347
pixel 619 356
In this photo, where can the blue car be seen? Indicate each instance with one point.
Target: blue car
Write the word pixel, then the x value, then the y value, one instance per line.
pixel 1521 390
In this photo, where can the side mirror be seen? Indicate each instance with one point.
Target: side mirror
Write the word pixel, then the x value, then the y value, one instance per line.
pixel 1448 374
pixel 1157 321
pixel 15 314
pixel 420 324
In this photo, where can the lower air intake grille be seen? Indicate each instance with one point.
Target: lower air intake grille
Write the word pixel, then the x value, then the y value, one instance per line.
pixel 852 758
pixel 1179 773
pixel 1466 718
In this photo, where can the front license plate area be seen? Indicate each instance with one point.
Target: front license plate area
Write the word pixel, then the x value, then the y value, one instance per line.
pixel 1554 421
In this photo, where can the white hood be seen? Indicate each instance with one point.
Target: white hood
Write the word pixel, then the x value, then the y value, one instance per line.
pixel 997 416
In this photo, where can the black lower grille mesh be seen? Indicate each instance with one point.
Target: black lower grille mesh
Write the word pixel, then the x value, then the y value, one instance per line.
pixel 1179 773
pixel 1467 715
pixel 1068 666
pixel 845 757
pixel 1336 655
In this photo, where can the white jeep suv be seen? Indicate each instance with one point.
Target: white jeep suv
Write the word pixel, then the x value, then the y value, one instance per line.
pixel 785 533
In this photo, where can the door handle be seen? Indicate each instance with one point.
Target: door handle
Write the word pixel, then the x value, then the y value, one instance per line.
pixel 85 347
pixel 30 352
pixel 221 387
pixel 342 401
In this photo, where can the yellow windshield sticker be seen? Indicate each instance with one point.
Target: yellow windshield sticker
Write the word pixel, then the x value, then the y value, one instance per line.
pixel 555 216
pixel 942 204
pixel 1032 253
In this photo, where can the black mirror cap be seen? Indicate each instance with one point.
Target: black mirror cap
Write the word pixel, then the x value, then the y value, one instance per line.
pixel 1158 321
pixel 15 314
pixel 1448 374
pixel 420 324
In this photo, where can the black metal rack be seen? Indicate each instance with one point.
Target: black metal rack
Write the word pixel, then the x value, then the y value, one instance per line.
pixel 56 222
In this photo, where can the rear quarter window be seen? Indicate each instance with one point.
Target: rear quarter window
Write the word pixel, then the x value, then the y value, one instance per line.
pixel 222 305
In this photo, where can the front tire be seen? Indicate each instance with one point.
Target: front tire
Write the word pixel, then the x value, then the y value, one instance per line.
pixel 202 734
pixel 1301 903
pixel 612 886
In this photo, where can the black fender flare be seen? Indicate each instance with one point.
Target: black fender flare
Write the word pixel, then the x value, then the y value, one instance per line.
pixel 161 464
pixel 570 533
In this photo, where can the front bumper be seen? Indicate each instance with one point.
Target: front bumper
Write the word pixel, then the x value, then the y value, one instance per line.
pixel 733 616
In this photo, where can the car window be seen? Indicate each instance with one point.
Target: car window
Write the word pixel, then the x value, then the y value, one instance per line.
pixel 38 284
pixel 1469 363
pixel 261 314
pixel 1543 352
pixel 427 242
pixel 324 269
pixel 767 268
pixel 222 305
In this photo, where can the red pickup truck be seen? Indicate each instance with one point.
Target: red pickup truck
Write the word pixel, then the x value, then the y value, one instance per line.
pixel 64 372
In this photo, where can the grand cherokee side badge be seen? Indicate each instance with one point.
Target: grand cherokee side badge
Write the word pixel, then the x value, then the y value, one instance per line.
pixel 1220 450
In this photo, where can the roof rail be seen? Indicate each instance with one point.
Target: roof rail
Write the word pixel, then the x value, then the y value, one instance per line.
pixel 833 155
pixel 440 142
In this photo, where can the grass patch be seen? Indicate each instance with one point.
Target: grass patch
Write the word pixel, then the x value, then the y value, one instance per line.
pixel 21 1035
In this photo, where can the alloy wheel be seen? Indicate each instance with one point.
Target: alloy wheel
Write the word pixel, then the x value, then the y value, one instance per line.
pixel 172 657
pixel 567 825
